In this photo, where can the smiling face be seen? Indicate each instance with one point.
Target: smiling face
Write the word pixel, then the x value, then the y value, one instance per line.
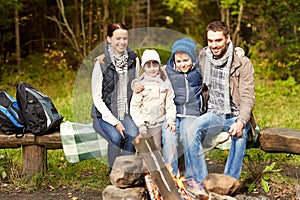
pixel 151 68
pixel 118 41
pixel 217 43
pixel 183 61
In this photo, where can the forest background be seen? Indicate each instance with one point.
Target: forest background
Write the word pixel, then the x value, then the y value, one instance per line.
pixel 46 42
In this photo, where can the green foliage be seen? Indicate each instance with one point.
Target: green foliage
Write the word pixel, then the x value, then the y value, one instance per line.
pixel 9 164
pixel 275 42
pixel 260 171
pixel 180 5
pixel 277 103
pixel 47 73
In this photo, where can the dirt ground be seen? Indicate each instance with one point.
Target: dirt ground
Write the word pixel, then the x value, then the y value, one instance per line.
pixel 279 191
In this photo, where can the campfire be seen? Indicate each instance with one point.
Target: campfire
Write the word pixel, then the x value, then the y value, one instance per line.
pixel 159 182
pixel 145 176
pixel 184 193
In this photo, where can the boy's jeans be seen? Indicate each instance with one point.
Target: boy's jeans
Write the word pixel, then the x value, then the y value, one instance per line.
pixel 210 124
pixel 170 143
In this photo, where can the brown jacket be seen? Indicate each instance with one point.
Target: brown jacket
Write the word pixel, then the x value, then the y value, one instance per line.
pixel 241 85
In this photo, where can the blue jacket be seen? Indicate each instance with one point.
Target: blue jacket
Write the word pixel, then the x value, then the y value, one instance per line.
pixel 187 89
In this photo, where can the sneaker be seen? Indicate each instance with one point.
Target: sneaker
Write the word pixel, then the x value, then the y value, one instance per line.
pixel 195 189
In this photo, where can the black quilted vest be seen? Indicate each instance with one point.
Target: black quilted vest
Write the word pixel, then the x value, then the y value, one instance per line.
pixel 109 84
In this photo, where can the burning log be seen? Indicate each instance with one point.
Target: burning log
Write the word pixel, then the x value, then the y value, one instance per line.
pixel 156 166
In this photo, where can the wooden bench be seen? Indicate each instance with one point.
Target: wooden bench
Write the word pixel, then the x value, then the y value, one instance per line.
pixel 34 150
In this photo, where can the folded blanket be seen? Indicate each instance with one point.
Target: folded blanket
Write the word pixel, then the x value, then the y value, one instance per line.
pixel 81 142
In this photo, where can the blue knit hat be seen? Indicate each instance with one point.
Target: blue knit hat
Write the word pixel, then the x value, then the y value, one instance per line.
pixel 185 45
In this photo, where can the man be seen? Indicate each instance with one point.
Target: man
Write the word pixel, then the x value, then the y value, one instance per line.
pixel 228 89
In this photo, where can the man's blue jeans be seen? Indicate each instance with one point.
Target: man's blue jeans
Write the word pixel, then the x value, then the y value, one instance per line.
pixel 117 146
pixel 211 124
pixel 170 143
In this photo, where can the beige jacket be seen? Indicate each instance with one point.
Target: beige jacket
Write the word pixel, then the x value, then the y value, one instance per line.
pixel 153 105
pixel 241 85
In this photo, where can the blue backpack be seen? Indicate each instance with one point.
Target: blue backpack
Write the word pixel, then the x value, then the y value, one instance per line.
pixel 11 120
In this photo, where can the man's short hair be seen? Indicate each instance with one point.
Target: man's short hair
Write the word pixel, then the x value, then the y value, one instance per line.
pixel 218 26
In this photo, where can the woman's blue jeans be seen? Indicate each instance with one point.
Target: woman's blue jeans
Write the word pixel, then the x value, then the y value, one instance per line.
pixel 211 124
pixel 117 146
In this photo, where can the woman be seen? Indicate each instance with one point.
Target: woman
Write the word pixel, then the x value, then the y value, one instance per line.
pixel 111 92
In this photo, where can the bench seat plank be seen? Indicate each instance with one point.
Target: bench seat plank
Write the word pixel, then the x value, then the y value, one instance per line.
pixel 49 141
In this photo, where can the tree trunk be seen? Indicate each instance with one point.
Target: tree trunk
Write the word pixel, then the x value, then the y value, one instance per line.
pixel 235 35
pixel 82 29
pixel 76 19
pixel 105 18
pixel 17 33
pixel 90 29
pixel 148 13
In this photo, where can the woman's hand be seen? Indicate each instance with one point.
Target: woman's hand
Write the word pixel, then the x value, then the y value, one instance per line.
pixel 137 87
pixel 120 129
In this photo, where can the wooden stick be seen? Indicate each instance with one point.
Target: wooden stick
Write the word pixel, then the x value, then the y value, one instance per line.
pixel 212 147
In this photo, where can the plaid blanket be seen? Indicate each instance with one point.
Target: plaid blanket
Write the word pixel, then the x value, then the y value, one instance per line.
pixel 81 142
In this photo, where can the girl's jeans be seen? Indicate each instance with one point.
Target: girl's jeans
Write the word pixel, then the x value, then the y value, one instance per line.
pixel 117 146
pixel 210 124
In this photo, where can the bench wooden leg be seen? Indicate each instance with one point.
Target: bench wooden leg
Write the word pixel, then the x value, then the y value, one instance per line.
pixel 34 160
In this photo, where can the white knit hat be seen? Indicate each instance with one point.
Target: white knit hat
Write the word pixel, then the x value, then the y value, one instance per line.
pixel 150 54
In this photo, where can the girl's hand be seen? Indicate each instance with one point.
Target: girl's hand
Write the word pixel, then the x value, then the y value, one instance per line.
pixel 171 127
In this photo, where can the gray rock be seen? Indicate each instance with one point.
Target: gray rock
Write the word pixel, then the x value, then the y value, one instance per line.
pixel 221 184
pixel 112 192
pixel 127 171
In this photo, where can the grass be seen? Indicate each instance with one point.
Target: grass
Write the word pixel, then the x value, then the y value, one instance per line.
pixel 277 105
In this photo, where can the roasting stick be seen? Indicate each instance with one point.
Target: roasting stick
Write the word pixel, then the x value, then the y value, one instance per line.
pixel 212 147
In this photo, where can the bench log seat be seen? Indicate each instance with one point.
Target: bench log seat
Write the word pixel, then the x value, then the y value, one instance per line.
pixel 34 150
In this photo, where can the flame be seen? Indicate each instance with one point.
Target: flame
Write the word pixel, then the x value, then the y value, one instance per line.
pixel 152 188
pixel 180 183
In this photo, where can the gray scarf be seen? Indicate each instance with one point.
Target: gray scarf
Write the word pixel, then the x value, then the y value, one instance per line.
pixel 120 63
pixel 212 62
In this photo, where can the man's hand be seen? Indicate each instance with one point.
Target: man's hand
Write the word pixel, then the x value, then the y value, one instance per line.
pixel 236 129
pixel 120 129
pixel 137 87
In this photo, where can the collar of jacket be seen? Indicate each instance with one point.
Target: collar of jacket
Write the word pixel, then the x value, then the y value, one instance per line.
pixel 105 58
pixel 236 63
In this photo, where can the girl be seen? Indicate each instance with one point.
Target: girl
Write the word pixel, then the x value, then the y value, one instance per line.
pixel 155 104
